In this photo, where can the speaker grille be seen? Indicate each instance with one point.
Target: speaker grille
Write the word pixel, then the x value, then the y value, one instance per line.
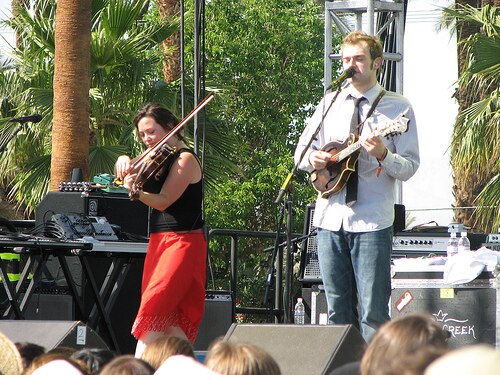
pixel 310 265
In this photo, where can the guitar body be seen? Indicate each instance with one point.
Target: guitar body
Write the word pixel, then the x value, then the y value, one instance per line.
pixel 342 163
pixel 333 178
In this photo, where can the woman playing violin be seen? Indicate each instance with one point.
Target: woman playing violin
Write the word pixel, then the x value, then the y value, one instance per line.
pixel 173 283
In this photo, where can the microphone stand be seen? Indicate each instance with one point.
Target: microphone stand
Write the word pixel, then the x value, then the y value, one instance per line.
pixel 270 273
pixel 286 188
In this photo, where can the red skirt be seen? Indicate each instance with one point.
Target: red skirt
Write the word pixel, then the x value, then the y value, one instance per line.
pixel 173 284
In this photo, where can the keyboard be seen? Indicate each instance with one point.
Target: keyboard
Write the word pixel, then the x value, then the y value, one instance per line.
pixel 42 243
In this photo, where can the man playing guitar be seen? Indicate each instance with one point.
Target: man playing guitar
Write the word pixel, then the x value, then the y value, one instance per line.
pixel 354 223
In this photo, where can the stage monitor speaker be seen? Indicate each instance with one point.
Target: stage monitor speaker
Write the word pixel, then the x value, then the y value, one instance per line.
pixel 52 334
pixel 217 318
pixel 303 349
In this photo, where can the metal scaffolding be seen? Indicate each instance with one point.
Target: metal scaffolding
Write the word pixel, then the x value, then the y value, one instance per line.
pixel 385 19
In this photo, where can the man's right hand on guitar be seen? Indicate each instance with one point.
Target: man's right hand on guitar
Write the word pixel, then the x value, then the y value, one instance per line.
pixel 318 159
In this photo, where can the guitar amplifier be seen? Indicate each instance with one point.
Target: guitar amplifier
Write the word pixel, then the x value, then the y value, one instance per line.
pixel 309 264
pixel 131 216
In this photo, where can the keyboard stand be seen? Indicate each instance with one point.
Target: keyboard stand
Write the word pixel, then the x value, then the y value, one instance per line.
pixel 103 312
pixel 10 291
pixel 37 254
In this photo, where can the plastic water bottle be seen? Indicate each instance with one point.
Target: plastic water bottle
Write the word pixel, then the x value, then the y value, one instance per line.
pixel 298 316
pixel 463 242
pixel 452 247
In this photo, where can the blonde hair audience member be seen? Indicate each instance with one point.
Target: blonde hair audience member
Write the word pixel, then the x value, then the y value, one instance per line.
pixel 396 345
pixel 237 358
pixel 10 359
pixel 164 347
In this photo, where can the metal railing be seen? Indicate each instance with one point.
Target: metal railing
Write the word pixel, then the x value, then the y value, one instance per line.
pixel 277 308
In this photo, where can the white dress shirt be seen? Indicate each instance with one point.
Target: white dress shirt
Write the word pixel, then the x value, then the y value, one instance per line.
pixel 374 208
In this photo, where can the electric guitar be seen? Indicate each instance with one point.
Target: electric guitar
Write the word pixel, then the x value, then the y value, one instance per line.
pixel 331 179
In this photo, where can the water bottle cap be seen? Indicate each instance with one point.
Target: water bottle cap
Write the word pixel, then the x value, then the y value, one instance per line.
pixel 464 234
pixel 299 299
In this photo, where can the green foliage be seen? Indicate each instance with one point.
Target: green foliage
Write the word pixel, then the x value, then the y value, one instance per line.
pixel 475 142
pixel 264 57
pixel 126 72
pixel 267 58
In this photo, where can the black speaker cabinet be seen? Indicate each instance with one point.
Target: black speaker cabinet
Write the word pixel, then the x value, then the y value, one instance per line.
pixel 469 312
pixel 50 304
pixel 217 318
pixel 316 308
pixel 52 334
pixel 303 349
pixel 131 216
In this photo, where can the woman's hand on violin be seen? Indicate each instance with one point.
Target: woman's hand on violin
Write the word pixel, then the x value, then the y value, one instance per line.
pixel 122 166
pixel 319 159
pixel 128 181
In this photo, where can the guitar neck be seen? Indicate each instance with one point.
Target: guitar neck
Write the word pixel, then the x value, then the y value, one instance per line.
pixel 347 151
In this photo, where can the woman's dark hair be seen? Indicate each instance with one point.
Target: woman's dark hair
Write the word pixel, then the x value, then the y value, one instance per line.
pixel 160 114
pixel 93 359
pixel 29 351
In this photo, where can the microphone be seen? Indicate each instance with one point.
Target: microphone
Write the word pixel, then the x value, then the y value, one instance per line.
pixel 31 118
pixel 348 73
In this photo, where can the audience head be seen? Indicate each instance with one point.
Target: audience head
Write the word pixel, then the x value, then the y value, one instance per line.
pixel 29 351
pixel 127 365
pixel 180 364
pixel 164 347
pixel 238 358
pixel 476 359
pixel 64 351
pixel 47 358
pixel 400 339
pixel 64 366
pixel 93 359
pixel 10 360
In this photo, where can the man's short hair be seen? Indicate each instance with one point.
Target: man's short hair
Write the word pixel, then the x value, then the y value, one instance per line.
pixel 374 44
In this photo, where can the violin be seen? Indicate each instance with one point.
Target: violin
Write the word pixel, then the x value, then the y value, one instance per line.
pixel 149 164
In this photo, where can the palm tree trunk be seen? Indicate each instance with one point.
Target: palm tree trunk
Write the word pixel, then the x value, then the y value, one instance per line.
pixel 171 46
pixel 70 130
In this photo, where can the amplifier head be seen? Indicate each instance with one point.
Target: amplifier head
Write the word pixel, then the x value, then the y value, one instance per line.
pixel 131 216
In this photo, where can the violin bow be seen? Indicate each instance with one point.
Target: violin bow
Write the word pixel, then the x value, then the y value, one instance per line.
pixel 137 163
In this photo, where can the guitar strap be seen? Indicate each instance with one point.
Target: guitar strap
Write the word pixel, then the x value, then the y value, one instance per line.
pixel 352 183
pixel 359 128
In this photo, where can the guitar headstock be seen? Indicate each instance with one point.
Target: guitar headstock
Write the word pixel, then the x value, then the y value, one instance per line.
pixel 397 126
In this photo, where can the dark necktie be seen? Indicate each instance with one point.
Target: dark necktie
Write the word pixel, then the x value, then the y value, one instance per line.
pixel 352 183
